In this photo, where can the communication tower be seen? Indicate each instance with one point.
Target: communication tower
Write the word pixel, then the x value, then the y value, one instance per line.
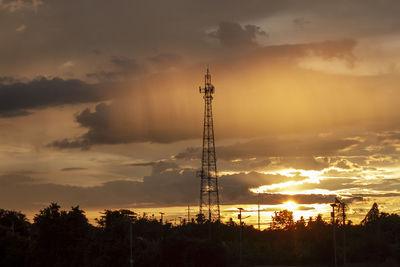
pixel 209 198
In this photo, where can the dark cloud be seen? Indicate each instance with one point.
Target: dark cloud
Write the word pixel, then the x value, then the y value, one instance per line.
pixel 106 128
pixel 96 51
pixel 100 132
pixel 377 147
pixel 15 113
pixel 120 28
pixel 392 184
pixel 159 167
pixel 381 195
pixel 167 185
pixel 235 187
pixel 343 164
pixel 304 163
pixel 300 23
pixel 295 151
pixel 232 34
pixel 125 63
pixel 165 59
pixel 67 144
pixel 244 165
pixel 15 179
pixel 162 166
pixel 73 169
pixel 18 98
pixel 19 5
pixel 289 147
pixel 170 185
pixel 190 153
pixel 128 28
pixel 143 164
pixel 163 119
pixel 381 187
pixel 226 164
pixel 125 68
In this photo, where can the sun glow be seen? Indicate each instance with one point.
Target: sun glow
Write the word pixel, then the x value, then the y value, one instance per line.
pixel 313 177
pixel 289 205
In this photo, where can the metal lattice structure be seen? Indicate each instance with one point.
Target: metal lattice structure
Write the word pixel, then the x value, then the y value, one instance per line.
pixel 209 198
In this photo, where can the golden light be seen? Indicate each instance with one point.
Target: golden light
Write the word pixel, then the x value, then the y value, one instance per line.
pixel 289 205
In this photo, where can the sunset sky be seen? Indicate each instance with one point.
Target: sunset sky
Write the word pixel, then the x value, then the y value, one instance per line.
pixel 100 107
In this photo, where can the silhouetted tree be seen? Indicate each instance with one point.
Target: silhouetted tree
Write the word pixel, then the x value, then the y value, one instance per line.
pixel 65 238
pixel 14 238
pixel 282 220
pixel 15 221
pixel 115 235
pixel 200 218
pixel 60 236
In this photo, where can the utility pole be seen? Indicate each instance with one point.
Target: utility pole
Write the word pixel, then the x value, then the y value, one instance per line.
pixel 344 232
pixel 342 212
pixel 130 241
pixel 240 236
pixel 188 214
pixel 131 245
pixel 162 214
pixel 209 196
pixel 334 233
pixel 259 228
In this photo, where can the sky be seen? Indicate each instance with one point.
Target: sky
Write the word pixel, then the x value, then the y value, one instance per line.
pixel 99 104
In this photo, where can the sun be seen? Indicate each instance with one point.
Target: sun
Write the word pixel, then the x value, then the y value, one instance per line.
pixel 289 205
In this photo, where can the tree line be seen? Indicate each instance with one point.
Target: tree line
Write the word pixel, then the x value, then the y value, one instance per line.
pixel 59 237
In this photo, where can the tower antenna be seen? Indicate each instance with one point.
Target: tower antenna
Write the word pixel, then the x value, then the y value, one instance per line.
pixel 209 196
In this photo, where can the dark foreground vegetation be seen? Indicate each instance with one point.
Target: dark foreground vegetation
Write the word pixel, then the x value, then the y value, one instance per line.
pixel 65 238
